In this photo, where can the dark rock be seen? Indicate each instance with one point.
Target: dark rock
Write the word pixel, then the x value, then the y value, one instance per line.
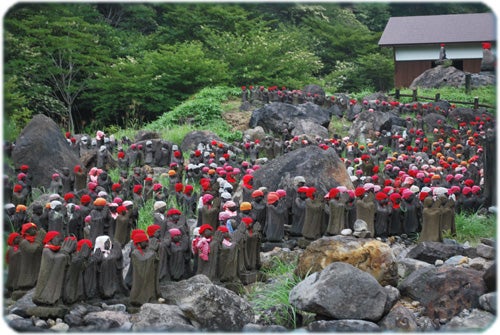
pixel 393 297
pixel 314 89
pixel 340 291
pixel 409 265
pixel 210 306
pixel 23 325
pixel 439 76
pixel 43 147
pixel 444 291
pixel 399 319
pixel 310 129
pixel 431 251
pixel 48 312
pixel 488 241
pixel 347 326
pixel 353 112
pixel 434 120
pixel 367 123
pixel 490 277
pixel 272 116
pixel 321 168
pixel 475 320
pixel 160 317
pixel 488 302
pixel 192 139
pixel 255 328
pixel 486 251
pixel 143 135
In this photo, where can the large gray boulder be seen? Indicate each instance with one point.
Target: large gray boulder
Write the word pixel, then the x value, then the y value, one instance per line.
pixel 210 307
pixel 43 147
pixel 321 168
pixel 340 291
pixel 441 76
pixel 367 123
pixel 271 117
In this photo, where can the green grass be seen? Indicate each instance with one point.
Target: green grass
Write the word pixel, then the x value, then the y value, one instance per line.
pixel 485 94
pixel 275 293
pixel 472 227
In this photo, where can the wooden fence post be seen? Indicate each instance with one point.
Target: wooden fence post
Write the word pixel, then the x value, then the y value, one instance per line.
pixel 476 103
pixel 415 95
pixel 467 83
pixel 438 97
pixel 397 94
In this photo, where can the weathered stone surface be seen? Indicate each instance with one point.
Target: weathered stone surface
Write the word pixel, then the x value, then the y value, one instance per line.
pixel 444 291
pixel 475 320
pixel 393 297
pixel 271 117
pixel 490 277
pixel 43 147
pixel 399 319
pixel 253 134
pixel 441 76
pixel 486 251
pixel 310 128
pixel 408 265
pixel 369 255
pixel 340 291
pixel 192 139
pixel 348 326
pixel 106 319
pixel 211 306
pixel 431 251
pixel 367 123
pixel 46 312
pixel 321 168
pixel 160 317
pixel 488 302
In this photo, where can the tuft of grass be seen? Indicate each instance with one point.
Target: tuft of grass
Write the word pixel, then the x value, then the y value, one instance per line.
pixel 274 294
pixel 146 215
pixel 486 95
pixel 472 227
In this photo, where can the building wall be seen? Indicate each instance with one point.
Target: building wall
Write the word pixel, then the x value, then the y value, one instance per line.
pixel 431 52
pixel 406 71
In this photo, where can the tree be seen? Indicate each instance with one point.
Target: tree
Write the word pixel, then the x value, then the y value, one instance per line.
pixel 140 89
pixel 65 47
pixel 266 57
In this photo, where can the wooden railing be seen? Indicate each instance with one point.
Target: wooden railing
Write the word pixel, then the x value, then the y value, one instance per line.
pixel 397 94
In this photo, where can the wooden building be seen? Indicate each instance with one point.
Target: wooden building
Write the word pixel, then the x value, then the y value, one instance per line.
pixel 417 40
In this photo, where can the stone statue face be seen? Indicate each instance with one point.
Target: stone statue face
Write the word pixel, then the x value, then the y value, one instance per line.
pixel 57 240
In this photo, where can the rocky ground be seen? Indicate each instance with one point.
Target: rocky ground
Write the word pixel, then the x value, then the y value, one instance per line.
pixel 453 281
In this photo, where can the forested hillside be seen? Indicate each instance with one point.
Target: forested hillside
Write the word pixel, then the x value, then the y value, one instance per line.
pixel 89 65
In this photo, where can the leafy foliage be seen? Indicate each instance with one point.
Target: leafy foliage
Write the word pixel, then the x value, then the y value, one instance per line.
pixel 89 65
